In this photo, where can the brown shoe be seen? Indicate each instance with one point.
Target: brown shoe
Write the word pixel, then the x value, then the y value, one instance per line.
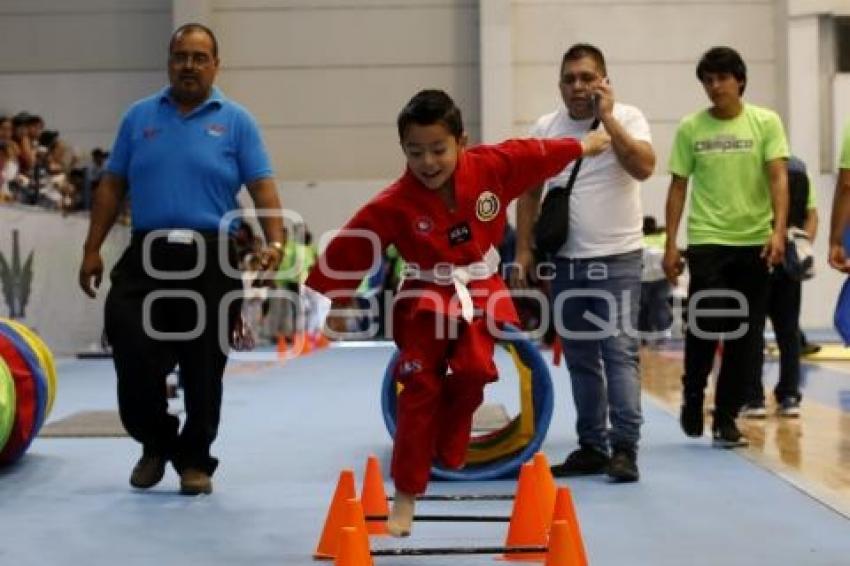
pixel 148 471
pixel 195 482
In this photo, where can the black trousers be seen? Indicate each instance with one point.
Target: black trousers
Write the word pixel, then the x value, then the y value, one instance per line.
pixel 716 271
pixel 143 359
pixel 783 309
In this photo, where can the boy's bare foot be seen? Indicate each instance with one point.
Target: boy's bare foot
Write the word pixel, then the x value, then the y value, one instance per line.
pixel 400 520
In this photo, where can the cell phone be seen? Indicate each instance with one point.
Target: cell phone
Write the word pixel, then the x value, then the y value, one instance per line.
pixel 594 98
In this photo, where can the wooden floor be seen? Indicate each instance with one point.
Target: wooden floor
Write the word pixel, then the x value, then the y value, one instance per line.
pixel 812 452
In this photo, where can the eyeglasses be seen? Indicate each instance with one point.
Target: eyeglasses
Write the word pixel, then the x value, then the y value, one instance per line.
pixel 184 59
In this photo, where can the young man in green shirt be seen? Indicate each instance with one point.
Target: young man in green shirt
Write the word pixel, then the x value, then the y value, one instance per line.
pixel 735 155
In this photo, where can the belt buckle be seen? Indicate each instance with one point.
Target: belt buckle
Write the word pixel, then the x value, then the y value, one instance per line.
pixel 180 237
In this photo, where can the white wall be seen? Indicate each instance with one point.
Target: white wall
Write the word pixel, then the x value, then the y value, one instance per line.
pixel 819 106
pixel 79 63
pixel 326 79
pixel 57 309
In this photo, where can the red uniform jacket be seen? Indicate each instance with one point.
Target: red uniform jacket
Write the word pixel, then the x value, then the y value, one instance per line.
pixel 426 233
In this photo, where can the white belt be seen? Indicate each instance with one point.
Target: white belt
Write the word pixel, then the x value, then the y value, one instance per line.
pixel 459 276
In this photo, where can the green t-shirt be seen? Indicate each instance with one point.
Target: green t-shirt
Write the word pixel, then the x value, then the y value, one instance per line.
pixel 730 190
pixel 655 241
pixel 289 268
pixel 844 162
pixel 310 255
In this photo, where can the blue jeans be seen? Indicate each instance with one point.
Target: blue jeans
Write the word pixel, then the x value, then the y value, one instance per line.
pixel 598 300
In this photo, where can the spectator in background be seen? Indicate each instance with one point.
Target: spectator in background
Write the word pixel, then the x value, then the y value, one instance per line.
pixel 285 307
pixel 783 306
pixel 93 174
pixel 98 160
pixel 6 136
pixel 51 182
pixel 8 170
pixel 26 144
pixel 60 156
pixel 313 319
pixel 734 154
pixel 602 254
pixel 840 216
pixel 655 317
pixel 10 178
pixel 35 126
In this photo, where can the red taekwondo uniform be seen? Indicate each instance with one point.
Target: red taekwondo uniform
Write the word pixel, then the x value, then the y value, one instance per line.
pixel 452 280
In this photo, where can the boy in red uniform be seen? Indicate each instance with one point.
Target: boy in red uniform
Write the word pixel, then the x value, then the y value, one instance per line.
pixel 445 215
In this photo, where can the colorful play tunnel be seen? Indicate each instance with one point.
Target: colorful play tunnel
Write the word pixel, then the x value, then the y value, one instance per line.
pixel 27 388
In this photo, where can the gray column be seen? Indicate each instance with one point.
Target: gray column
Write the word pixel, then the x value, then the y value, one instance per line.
pixel 496 70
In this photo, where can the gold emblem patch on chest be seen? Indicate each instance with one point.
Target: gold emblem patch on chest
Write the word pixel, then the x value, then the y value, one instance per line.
pixel 487 206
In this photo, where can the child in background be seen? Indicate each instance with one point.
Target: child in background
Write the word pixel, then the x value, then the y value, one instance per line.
pixel 445 215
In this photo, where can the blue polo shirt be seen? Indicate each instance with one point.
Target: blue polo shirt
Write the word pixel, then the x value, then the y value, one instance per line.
pixel 184 171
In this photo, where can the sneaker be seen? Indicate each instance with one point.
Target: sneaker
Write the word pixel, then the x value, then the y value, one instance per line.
pixel 727 435
pixel 195 482
pixel 789 408
pixel 585 461
pixel 623 466
pixel 148 471
pixel 691 418
pixel 809 349
pixel 754 410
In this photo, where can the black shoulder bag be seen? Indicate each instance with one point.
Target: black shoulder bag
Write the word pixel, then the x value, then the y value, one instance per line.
pixel 553 224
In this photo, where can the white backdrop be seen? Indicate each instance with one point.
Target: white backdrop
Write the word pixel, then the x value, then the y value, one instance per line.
pixel 56 308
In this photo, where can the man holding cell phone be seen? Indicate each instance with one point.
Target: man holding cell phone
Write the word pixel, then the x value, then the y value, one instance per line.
pixel 598 269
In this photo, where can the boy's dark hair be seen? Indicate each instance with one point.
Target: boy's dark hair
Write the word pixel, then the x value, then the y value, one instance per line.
pixel 429 107
pixel 723 60
pixel 188 28
pixel 579 50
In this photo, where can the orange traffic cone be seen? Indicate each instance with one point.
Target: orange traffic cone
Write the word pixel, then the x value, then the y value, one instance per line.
pixel 562 551
pixel 526 527
pixel 300 344
pixel 374 497
pixel 355 518
pixel 566 511
pixel 308 343
pixel 281 347
pixel 351 549
pixel 297 344
pixel 546 487
pixel 329 541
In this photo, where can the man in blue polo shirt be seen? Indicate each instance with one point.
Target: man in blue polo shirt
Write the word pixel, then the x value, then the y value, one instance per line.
pixel 181 156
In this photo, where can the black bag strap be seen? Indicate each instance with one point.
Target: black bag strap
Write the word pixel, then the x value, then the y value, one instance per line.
pixel 574 173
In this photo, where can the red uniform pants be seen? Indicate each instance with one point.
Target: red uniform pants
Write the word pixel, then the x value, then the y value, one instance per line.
pixel 435 407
